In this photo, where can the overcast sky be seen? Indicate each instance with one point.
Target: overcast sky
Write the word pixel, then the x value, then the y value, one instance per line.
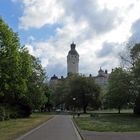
pixel 100 29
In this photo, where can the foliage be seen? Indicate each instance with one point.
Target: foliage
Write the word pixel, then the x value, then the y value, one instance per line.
pixel 133 63
pixel 59 94
pixel 4 114
pixel 83 92
pixel 36 85
pixel 118 94
pixel 135 54
pixel 137 105
pixel 22 78
pixel 76 92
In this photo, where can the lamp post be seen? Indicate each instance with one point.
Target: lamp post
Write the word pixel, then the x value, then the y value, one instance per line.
pixel 74 99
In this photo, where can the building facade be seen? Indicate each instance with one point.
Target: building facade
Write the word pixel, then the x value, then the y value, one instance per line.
pixel 102 78
pixel 73 68
pixel 72 61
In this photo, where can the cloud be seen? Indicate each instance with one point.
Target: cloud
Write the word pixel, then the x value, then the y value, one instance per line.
pixel 109 49
pixel 99 28
pixel 98 20
pixel 106 50
pixel 37 13
pixel 53 59
pixel 135 29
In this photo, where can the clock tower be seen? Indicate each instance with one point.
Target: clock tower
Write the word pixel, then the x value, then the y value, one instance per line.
pixel 72 61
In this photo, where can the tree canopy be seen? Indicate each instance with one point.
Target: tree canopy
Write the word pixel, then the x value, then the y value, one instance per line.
pixel 118 94
pixel 22 77
pixel 83 92
pixel 135 55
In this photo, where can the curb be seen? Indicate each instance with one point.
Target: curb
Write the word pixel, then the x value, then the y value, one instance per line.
pixel 77 129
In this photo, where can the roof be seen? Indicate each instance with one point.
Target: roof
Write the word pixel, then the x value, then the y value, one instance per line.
pixel 100 70
pixel 54 77
pixel 73 51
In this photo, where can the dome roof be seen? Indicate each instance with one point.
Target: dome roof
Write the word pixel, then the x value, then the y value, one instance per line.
pixel 73 51
pixel 54 77
pixel 100 70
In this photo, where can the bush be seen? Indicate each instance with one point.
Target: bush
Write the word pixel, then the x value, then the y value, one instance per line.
pixel 24 107
pixel 4 113
pixel 15 111
pixel 137 106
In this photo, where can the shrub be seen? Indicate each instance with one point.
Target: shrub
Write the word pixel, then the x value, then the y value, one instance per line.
pixel 137 106
pixel 4 113
pixel 24 107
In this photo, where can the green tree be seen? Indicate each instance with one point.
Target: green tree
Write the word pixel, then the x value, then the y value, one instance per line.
pixel 36 85
pixel 22 78
pixel 118 94
pixel 9 63
pixel 14 70
pixel 48 93
pixel 135 55
pixel 83 92
pixel 131 61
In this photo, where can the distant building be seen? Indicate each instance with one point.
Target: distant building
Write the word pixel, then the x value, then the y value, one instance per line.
pixel 54 81
pixel 72 61
pixel 102 78
pixel 73 68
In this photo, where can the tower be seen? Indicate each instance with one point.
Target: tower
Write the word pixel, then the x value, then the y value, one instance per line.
pixel 72 61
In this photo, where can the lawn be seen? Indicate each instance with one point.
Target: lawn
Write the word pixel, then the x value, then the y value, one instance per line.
pixel 12 129
pixel 101 122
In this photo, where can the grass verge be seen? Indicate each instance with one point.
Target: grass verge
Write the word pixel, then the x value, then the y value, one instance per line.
pixel 109 122
pixel 12 129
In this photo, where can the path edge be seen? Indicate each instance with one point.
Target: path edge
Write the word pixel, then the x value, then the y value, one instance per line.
pixel 77 128
pixel 34 129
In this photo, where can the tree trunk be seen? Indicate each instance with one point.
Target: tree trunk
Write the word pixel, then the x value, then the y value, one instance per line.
pixel 119 110
pixel 85 109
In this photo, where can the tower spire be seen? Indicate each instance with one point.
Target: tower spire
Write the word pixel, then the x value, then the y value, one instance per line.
pixel 73 60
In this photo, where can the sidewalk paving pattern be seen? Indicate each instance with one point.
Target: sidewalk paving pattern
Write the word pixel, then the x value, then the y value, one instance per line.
pixel 59 128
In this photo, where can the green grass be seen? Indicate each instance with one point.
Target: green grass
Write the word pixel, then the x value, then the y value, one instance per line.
pixel 112 111
pixel 12 129
pixel 109 122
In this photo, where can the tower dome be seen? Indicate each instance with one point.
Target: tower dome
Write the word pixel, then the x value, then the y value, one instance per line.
pixel 101 72
pixel 73 51
pixel 72 60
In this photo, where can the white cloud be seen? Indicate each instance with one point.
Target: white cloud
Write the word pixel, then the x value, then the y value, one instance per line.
pixel 37 13
pixel 89 23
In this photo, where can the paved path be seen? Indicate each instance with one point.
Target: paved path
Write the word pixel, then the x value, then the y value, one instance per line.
pixel 59 128
pixel 89 135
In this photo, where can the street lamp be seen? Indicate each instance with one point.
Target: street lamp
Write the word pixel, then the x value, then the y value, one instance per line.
pixel 74 99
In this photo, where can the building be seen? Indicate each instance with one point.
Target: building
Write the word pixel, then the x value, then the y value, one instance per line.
pixel 54 81
pixel 72 61
pixel 73 68
pixel 102 78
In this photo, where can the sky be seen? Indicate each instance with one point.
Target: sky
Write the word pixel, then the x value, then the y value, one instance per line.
pixel 100 28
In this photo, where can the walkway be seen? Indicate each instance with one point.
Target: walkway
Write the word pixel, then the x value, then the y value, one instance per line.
pixel 59 128
pixel 90 135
